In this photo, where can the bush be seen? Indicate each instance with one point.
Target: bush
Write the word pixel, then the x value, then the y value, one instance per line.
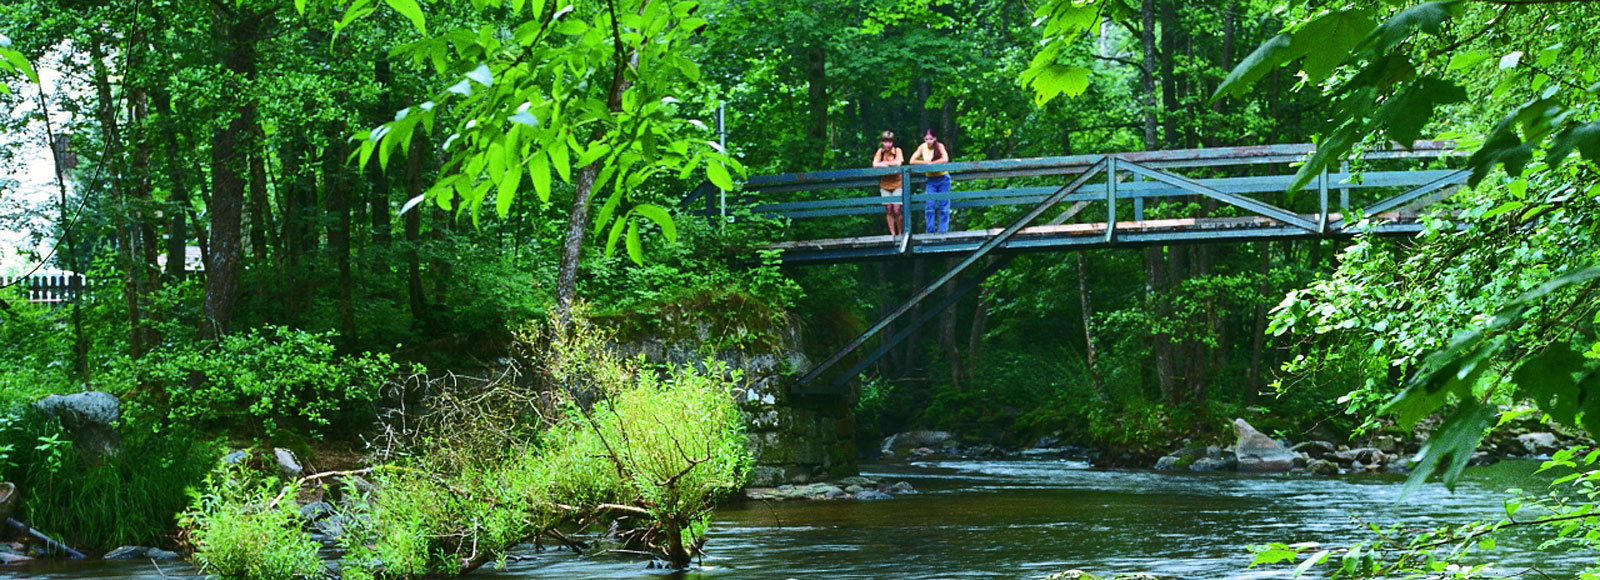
pixel 491 466
pixel 260 381
pixel 237 532
pixel 127 498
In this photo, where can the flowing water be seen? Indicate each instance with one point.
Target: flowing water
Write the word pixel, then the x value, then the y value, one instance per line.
pixel 1028 519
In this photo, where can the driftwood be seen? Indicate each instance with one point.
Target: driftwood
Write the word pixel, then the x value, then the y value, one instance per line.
pixel 8 502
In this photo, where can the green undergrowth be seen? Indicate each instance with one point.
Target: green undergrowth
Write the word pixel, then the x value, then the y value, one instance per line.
pixel 488 467
pixel 128 498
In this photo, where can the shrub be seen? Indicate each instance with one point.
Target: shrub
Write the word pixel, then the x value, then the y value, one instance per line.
pixel 258 381
pixel 127 498
pixel 237 531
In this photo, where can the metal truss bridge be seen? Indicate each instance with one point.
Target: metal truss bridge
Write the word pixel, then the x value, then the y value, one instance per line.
pixel 1094 201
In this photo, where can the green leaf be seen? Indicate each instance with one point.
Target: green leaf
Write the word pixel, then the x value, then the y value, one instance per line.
pixel 1428 18
pixel 300 7
pixel 508 190
pixel 1329 40
pixel 1404 115
pixel 1054 79
pixel 410 9
pixel 539 173
pixel 1468 59
pixel 616 234
pixel 1506 207
pixel 1585 138
pixel 608 209
pixel 635 245
pixel 718 174
pixel 20 64
pixel 561 162
pixel 1273 554
pixel 1503 147
pixel 1451 446
pixel 662 218
pixel 1548 380
pixel 1271 54
pixel 1315 559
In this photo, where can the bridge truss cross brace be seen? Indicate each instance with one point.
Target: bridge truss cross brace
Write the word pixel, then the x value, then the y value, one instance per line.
pixel 978 254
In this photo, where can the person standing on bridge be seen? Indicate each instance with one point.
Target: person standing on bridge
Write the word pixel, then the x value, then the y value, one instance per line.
pixel 888 155
pixel 932 152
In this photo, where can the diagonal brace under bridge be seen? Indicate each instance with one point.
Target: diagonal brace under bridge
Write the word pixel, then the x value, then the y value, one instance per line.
pixel 978 254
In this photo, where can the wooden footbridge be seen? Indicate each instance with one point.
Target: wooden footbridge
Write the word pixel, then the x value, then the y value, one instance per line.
pixel 1094 201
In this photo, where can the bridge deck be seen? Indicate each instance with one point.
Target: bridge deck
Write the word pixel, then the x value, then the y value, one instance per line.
pixel 1084 236
pixel 1247 190
pixel 1249 185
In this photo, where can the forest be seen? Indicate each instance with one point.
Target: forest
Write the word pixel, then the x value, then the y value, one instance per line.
pixel 415 245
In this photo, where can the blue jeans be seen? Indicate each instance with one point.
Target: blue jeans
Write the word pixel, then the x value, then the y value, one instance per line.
pixel 938 210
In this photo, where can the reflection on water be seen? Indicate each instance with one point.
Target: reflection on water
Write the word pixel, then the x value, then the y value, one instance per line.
pixel 1027 519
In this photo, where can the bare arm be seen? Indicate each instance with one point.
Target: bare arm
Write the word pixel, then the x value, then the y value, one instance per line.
pixel 916 158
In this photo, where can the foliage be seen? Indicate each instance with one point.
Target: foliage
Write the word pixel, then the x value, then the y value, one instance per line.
pixel 566 92
pixel 128 498
pixel 1398 79
pixel 262 381
pixel 612 439
pixel 1564 513
pixel 37 353
pixel 237 531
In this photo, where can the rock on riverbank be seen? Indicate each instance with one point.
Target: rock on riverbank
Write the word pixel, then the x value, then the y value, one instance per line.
pixel 856 487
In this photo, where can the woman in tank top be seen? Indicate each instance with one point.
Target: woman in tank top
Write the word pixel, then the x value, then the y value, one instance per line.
pixel 887 155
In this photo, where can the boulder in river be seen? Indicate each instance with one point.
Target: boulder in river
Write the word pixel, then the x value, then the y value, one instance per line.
pixel 902 444
pixel 1258 453
pixel 288 465
pixel 1543 443
pixel 88 419
pixel 127 553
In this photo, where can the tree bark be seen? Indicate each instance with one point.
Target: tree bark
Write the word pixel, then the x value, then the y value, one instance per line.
pixel 260 212
pixel 110 132
pixel 178 202
pixel 1090 352
pixel 578 218
pixel 227 161
pixel 817 99
pixel 413 225
pixel 382 220
pixel 1172 131
pixel 1259 338
pixel 336 188
pixel 1147 37
pixel 947 331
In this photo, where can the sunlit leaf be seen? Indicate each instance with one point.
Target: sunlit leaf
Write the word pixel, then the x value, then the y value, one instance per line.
pixel 410 9
pixel 662 218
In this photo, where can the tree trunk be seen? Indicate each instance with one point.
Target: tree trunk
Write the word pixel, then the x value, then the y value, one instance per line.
pixel 382 222
pixel 1155 265
pixel 178 203
pixel 817 100
pixel 980 326
pixel 1172 131
pixel 578 218
pixel 1091 353
pixel 336 188
pixel 1147 37
pixel 260 212
pixel 1259 333
pixel 227 161
pixel 419 305
pixel 947 331
pixel 110 131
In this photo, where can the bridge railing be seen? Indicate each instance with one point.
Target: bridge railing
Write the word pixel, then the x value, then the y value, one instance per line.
pixel 849 192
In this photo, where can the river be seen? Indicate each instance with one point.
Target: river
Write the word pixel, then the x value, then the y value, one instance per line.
pixel 1028 519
